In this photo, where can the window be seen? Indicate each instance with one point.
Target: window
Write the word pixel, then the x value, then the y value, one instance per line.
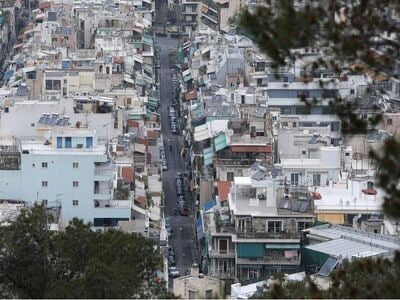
pixel 75 202
pixel 274 226
pixel 303 152
pixel 294 179
pixel 243 99
pixel 68 142
pixel 294 124
pixel 223 246
pixel 44 183
pixel 53 85
pixel 32 124
pixel 285 78
pixel 192 294
pixel 316 179
pixel 230 176
pixel 209 294
pixel 303 94
pixel 75 183
pixel 44 202
pixel 128 101
pixel 259 81
pixel 301 225
pixel 59 142
pixel 44 164
pixel 352 91
pixel 389 121
pixel 335 126
pixel 89 142
pixel 370 185
pixel 75 165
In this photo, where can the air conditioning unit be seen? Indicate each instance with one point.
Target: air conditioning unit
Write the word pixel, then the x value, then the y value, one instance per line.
pixel 262 197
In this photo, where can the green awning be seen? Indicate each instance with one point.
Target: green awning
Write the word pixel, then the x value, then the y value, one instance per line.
pixel 220 142
pixel 148 69
pixel 187 78
pixel 282 246
pixel 153 100
pixel 208 154
pixel 250 250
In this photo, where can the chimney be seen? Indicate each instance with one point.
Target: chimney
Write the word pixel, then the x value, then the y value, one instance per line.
pixel 195 270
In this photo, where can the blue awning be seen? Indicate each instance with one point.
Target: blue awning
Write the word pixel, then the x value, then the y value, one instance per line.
pixel 209 204
pixel 8 74
pixel 199 228
pixel 220 142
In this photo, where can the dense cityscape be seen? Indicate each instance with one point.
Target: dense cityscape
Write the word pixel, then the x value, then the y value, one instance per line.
pixel 199 149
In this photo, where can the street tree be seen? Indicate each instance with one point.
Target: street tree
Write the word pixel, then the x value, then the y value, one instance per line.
pixel 76 263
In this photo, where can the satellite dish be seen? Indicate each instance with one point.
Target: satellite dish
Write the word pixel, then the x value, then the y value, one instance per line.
pixel 305 131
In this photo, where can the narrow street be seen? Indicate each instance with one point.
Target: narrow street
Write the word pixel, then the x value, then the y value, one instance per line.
pixel 182 226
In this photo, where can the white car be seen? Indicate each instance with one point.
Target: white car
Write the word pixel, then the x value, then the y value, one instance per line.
pixel 173 272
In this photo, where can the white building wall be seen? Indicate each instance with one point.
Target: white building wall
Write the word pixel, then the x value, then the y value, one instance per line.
pixel 18 121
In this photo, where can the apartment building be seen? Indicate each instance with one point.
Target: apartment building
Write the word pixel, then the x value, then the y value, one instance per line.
pixel 84 187
pixel 258 232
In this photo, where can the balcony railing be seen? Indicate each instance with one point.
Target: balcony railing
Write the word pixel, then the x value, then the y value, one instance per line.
pixel 222 253
pixel 234 162
pixel 275 260
pixel 250 233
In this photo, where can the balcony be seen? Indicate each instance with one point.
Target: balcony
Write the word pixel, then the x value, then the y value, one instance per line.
pixel 261 233
pixel 270 260
pixel 102 193
pixel 233 162
pixel 214 253
pixel 104 172
pixel 98 203
pixel 246 139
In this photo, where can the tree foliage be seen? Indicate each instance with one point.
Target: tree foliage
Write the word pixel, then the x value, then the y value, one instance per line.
pixel 352 38
pixel 361 279
pixel 76 263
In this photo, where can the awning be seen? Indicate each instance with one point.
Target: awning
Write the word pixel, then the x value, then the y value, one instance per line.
pixel 8 74
pixel 40 16
pixel 201 133
pixel 224 187
pixel 208 154
pixel 187 78
pixel 220 142
pixel 199 228
pixel 282 246
pixel 257 149
pixel 18 46
pixel 209 204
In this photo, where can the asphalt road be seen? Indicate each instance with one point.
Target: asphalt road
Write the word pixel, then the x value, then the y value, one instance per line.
pixel 182 226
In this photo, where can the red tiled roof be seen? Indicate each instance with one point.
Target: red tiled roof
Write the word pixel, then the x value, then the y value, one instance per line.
pixel 152 134
pixel 224 188
pixel 118 60
pixel 257 149
pixel 132 123
pixel 140 200
pixel 44 5
pixel 127 174
pixel 191 95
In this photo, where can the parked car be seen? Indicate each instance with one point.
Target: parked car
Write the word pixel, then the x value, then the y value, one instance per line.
pixel 164 166
pixel 184 210
pixel 171 251
pixel 173 272
pixel 171 260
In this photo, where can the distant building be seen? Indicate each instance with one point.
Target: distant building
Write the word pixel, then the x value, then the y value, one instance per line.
pixel 198 286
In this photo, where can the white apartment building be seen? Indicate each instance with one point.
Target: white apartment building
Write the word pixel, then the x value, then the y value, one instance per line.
pixel 67 167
